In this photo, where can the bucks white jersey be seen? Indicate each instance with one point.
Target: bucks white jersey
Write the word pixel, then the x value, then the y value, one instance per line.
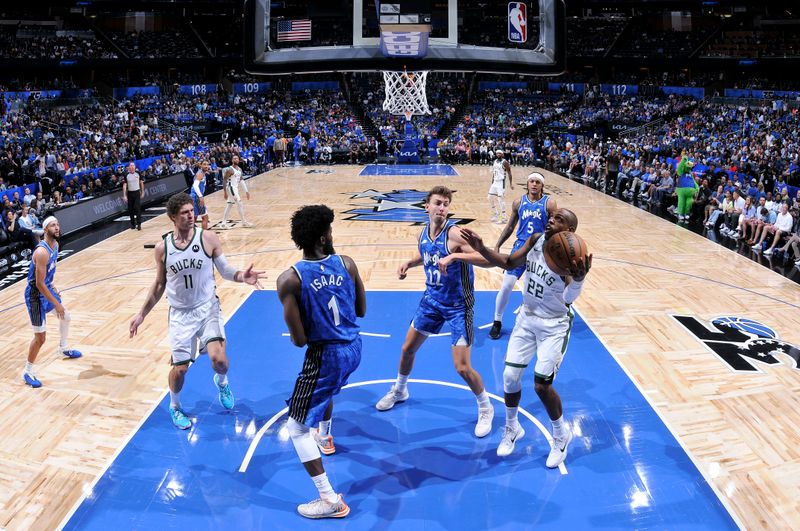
pixel 235 177
pixel 498 171
pixel 190 272
pixel 543 291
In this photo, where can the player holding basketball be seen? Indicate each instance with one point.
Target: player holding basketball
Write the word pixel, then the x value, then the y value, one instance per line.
pixel 184 269
pixel 322 295
pixel 198 194
pixel 532 210
pixel 233 178
pixel 500 169
pixel 448 298
pixel 542 328
pixel 41 297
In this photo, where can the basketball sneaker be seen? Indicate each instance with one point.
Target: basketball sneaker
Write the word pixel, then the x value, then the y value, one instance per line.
pixel 71 353
pixel 559 450
pixel 391 398
pixel 497 327
pixel 224 225
pixel 225 393
pixel 320 508
pixel 324 442
pixel 247 225
pixel 511 434
pixel 179 418
pixel 484 424
pixel 31 380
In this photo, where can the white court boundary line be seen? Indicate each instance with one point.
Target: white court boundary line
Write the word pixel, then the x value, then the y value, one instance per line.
pixel 257 439
pixel 88 491
pixel 672 432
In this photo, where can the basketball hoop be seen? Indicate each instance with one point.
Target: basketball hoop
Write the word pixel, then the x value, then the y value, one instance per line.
pixel 405 93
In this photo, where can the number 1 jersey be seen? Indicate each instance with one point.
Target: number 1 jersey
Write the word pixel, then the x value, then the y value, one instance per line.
pixel 327 300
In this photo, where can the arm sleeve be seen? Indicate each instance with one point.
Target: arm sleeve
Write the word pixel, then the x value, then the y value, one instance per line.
pixel 244 184
pixel 196 188
pixel 227 271
pixel 572 291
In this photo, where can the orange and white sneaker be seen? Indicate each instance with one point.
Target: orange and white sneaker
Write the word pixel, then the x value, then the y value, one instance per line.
pixel 320 508
pixel 324 442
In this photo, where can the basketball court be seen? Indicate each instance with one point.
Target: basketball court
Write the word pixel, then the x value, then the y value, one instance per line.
pixel 670 433
pixel 680 381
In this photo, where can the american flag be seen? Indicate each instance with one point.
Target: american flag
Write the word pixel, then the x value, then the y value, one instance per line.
pixel 294 30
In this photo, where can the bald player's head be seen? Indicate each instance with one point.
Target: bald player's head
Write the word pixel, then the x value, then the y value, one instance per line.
pixel 570 218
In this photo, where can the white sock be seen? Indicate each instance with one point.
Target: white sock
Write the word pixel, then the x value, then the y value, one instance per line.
pixel 501 301
pixel 227 211
pixel 241 211
pixel 222 379
pixel 483 400
pixel 402 382
pixel 175 399
pixel 63 328
pixel 30 368
pixel 511 416
pixel 325 427
pixel 324 487
pixel 559 427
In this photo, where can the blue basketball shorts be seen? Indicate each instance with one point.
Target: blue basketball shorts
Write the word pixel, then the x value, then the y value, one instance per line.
pixel 325 371
pixel 199 210
pixel 431 316
pixel 517 272
pixel 38 307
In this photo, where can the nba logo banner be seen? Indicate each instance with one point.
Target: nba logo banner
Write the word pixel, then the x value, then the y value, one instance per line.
pixel 517 22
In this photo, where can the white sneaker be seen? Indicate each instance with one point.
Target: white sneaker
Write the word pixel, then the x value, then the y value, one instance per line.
pixel 247 224
pixel 391 398
pixel 320 508
pixel 768 252
pixel 559 450
pixel 223 225
pixel 484 424
pixel 510 437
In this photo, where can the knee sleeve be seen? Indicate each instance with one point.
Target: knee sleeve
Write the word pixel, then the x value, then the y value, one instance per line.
pixel 512 379
pixel 304 444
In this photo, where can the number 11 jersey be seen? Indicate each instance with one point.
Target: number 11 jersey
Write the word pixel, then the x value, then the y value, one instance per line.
pixel 190 272
pixel 327 300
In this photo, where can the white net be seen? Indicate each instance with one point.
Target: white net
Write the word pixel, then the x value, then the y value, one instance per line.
pixel 405 93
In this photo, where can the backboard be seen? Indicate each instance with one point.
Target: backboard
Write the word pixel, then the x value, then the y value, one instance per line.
pixel 497 36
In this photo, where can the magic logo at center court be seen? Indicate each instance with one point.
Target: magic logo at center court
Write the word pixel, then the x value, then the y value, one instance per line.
pixel 404 206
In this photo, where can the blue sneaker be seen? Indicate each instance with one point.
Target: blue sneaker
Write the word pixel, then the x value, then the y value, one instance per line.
pixel 71 354
pixel 31 380
pixel 225 393
pixel 179 418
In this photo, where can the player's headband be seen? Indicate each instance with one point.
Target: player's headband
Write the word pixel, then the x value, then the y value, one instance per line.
pixel 536 176
pixel 48 221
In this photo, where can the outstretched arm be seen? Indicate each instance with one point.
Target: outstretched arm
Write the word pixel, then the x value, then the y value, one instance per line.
pixel 506 261
pixel 402 271
pixel 228 272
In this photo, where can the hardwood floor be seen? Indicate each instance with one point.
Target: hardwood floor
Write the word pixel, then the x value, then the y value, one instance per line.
pixel 741 429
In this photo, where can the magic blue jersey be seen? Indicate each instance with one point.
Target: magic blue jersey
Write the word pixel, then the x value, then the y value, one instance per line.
pixel 327 300
pixel 532 217
pixel 456 287
pixel 200 184
pixel 48 276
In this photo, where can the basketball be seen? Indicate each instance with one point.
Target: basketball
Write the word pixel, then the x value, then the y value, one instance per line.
pixel 561 249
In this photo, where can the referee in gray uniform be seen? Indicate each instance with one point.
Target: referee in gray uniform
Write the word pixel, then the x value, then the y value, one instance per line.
pixel 132 191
